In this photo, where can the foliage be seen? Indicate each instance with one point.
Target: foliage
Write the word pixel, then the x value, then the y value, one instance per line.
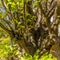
pixel 6 50
pixel 45 56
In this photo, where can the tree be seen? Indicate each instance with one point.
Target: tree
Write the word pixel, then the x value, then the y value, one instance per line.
pixel 32 23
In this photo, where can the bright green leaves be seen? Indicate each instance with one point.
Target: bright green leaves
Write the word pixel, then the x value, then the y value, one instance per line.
pixel 45 56
pixel 6 50
pixel 12 6
pixel 10 0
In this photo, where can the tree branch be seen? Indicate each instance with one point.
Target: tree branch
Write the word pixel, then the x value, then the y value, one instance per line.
pixel 7 30
pixel 42 10
pixel 54 5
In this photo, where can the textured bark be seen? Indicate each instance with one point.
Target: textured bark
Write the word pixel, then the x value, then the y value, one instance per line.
pixel 58 7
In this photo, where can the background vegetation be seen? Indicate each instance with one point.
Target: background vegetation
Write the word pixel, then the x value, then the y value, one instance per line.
pixel 29 29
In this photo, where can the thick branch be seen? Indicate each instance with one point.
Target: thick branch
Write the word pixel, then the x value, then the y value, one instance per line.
pixel 3 4
pixel 53 7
